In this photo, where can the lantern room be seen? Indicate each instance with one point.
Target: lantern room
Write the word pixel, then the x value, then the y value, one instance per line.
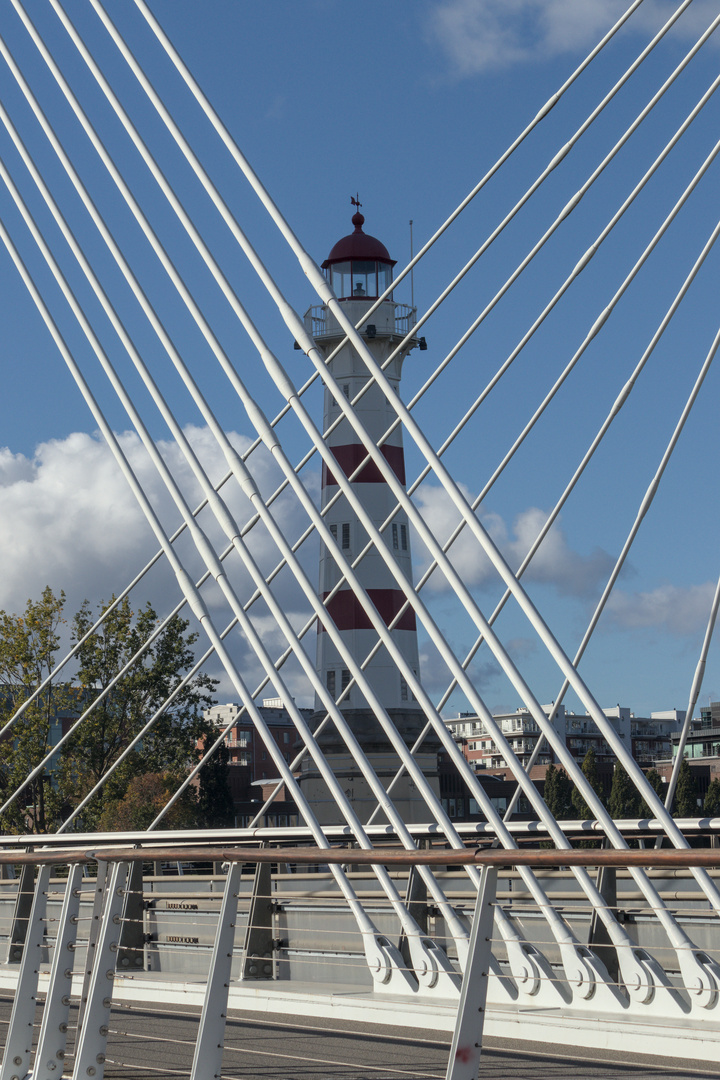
pixel 359 266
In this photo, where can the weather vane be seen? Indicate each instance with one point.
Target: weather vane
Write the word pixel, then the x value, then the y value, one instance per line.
pixel 356 200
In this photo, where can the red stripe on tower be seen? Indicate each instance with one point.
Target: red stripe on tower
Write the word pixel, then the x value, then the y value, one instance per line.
pixel 350 456
pixel 347 612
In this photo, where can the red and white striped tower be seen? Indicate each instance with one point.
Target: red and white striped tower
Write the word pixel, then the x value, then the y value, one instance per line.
pixel 359 269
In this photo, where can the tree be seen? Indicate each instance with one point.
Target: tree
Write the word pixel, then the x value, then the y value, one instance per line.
pixel 558 793
pixel 711 805
pixel 589 768
pixel 214 808
pixel 169 749
pixel 28 645
pixel 686 793
pixel 624 799
pixel 145 797
pixel 655 781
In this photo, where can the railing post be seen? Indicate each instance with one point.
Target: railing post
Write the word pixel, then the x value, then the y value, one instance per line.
pixel 92 1042
pixel 467 1038
pixel 16 1060
pixel 93 934
pixel 207 1062
pixel 50 1053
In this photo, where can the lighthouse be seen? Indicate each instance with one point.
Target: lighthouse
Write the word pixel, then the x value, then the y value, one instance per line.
pixel 359 269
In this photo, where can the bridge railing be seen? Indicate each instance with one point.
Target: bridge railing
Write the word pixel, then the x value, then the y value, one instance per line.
pixel 84 943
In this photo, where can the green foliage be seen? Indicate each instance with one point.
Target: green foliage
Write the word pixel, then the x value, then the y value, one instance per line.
pixel 589 768
pixel 711 805
pixel 655 781
pixel 686 793
pixel 28 644
pixel 145 797
pixel 624 801
pixel 558 793
pixel 128 693
pixel 214 808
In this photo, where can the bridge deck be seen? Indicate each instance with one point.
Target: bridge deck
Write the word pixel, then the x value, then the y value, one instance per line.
pixel 151 1041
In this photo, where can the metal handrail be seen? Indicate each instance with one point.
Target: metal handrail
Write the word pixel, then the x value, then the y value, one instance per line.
pixel 384 856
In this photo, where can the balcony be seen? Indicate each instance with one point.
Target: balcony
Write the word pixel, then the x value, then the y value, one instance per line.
pixel 390 319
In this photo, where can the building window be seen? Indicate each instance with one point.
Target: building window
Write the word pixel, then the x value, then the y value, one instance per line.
pixel 286 737
pixel 346 536
pixel 333 531
pixel 403 537
pixel 344 678
pixel 403 689
pixel 330 680
pixel 395 537
pixel 346 390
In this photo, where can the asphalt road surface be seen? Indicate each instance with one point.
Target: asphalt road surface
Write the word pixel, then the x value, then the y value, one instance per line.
pixel 147 1043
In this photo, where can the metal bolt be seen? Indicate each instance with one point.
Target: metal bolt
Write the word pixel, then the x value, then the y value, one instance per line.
pixel 65 1000
pixel 17 1061
pixel 51 1066
pixel 100 1059
pixel 60 1055
pixel 68 973
pixel 125 961
pixel 103 1029
pixel 268 969
pixel 107 1002
pixel 62 1027
pixel 110 974
pixel 253 969
pixel 91 1070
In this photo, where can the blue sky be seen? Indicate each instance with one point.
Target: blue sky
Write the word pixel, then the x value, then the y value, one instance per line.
pixel 409 105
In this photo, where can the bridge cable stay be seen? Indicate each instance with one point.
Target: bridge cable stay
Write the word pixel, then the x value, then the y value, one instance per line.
pixel 458 428
pixel 542 112
pixel 299 723
pixel 438 553
pixel 448 484
pixel 678 839
pixel 295 246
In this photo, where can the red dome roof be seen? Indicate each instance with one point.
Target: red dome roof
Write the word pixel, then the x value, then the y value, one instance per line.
pixel 358 245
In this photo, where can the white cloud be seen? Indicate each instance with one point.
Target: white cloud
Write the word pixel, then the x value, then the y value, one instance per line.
pixel 669 607
pixel 555 563
pixel 489 35
pixel 69 520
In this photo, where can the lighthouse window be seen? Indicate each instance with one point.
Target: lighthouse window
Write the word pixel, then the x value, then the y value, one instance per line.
pixel 364 278
pixel 344 678
pixel 333 530
pixel 403 689
pixel 346 536
pixel 346 390
pixel 384 277
pixel 330 680
pixel 342 280
pixel 403 537
pixel 395 537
